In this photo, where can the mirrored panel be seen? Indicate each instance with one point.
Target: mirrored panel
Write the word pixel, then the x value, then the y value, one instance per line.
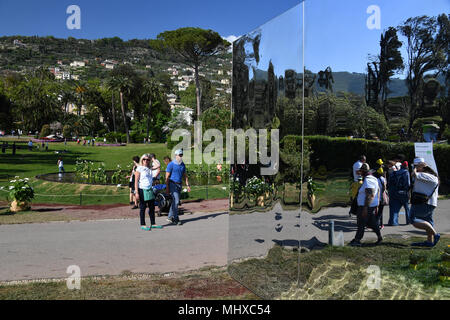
pixel 264 221
pixel 364 103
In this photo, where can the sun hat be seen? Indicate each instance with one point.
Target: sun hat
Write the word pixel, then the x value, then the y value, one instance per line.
pixel 365 167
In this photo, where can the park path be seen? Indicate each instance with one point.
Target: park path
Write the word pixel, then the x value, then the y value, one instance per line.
pixel 110 247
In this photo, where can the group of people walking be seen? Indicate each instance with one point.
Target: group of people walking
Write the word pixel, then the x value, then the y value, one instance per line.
pixel 145 175
pixel 394 185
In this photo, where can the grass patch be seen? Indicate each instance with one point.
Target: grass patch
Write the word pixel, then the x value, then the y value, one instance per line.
pixel 341 273
pixel 28 164
pixel 202 284
pixel 7 217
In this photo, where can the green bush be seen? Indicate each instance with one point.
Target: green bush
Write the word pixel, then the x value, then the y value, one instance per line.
pixel 446 134
pixel 112 137
pixel 45 131
pixel 136 137
pixel 67 131
pixel 339 153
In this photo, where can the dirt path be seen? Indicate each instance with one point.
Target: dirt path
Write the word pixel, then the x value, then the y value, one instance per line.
pixel 119 211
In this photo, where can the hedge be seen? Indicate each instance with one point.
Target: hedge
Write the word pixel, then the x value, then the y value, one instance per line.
pixel 338 153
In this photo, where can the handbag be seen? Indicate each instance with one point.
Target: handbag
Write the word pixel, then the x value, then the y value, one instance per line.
pixel 385 198
pixel 148 194
pixel 420 198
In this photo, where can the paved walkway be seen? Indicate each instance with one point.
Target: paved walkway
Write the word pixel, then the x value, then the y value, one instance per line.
pixel 45 250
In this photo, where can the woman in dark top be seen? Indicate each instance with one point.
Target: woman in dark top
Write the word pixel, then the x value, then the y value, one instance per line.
pixel 132 184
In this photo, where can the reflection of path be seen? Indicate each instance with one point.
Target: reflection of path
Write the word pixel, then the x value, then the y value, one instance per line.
pixel 252 235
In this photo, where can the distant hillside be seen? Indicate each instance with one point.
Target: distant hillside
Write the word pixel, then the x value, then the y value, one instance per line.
pixel 355 82
pixel 21 53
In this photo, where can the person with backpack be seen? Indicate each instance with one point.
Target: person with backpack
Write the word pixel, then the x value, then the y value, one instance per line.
pixel 383 196
pixel 424 201
pixel 399 185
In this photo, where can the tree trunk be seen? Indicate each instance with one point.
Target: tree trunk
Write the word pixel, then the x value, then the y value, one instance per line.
pixel 124 117
pixel 113 113
pixel 148 118
pixel 198 93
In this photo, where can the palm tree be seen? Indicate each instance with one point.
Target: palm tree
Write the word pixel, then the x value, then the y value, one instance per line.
pixel 125 86
pixel 80 89
pixel 151 92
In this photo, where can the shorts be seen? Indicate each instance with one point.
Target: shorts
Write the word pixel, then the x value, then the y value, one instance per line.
pixel 422 213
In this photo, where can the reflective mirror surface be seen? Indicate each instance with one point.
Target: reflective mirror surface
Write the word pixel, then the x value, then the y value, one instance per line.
pixel 264 209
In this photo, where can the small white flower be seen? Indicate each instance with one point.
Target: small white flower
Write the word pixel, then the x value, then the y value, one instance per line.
pixel 224 188
pixel 11 187
pixel 12 181
pixel 1 188
pixel 26 179
pixel 119 185
pixel 16 177
pixel 24 187
pixel 184 190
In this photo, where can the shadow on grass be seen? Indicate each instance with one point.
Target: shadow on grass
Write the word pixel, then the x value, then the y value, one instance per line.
pixel 48 209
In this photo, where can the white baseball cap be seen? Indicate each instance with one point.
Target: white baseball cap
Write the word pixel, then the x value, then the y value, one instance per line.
pixel 178 152
pixel 418 160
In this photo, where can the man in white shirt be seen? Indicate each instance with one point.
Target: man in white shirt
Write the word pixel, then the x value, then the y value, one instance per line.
pixel 356 166
pixel 426 183
pixel 368 200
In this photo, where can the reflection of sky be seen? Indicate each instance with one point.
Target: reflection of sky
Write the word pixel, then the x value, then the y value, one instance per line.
pixel 336 32
pixel 278 43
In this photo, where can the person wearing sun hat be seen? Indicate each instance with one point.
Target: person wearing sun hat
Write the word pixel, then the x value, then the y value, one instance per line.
pixel 368 200
pixel 384 198
pixel 175 174
pixel 424 202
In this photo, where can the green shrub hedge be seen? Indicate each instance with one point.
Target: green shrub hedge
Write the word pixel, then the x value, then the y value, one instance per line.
pixel 339 153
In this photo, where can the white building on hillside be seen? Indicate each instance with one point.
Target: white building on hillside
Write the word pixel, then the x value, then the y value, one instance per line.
pixel 78 64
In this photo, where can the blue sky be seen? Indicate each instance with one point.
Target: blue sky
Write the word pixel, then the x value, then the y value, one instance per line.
pixel 330 25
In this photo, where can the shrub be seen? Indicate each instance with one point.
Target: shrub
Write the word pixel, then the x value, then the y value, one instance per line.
pixel 113 137
pixel 45 131
pixel 339 153
pixel 20 190
pixel 446 134
pixel 67 131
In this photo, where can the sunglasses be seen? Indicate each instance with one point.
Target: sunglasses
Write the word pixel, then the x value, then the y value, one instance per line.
pixel 145 159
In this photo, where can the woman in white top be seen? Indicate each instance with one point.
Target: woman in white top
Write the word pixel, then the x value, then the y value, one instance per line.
pixel 144 180
pixel 426 182
pixel 156 169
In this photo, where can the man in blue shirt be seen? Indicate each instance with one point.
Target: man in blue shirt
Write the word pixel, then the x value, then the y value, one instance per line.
pixel 398 186
pixel 175 173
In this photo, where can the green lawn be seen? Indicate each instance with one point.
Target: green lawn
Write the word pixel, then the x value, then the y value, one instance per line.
pixel 28 164
pixel 207 283
pixel 31 163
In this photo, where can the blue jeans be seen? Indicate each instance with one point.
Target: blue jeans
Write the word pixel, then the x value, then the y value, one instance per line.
pixel 422 212
pixel 175 192
pixel 394 207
